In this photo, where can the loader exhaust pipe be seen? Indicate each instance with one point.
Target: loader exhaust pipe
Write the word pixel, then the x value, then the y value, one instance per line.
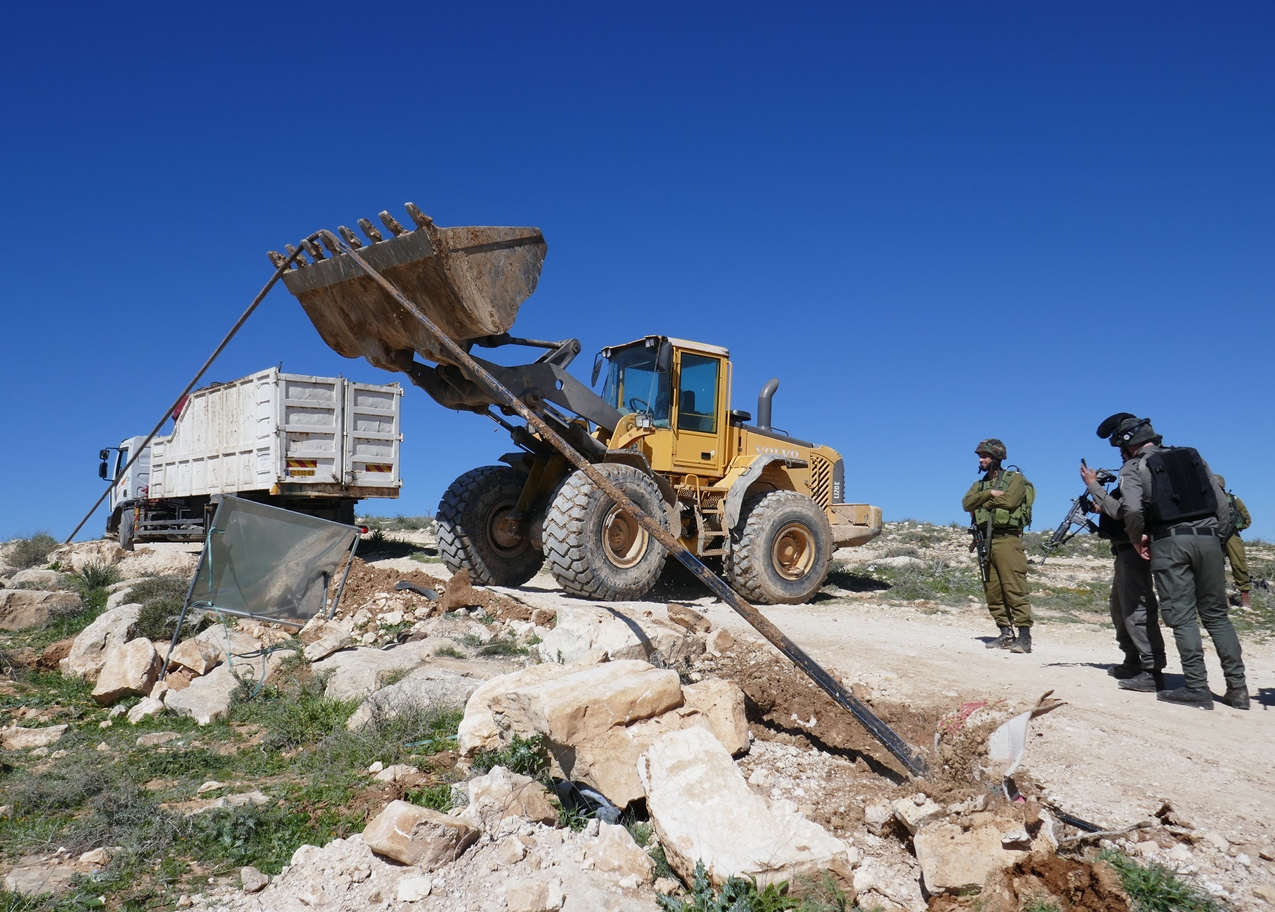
pixel 763 403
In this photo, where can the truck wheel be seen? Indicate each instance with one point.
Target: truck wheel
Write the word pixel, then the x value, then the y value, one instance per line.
pixel 474 533
pixel 785 550
pixel 596 550
pixel 126 529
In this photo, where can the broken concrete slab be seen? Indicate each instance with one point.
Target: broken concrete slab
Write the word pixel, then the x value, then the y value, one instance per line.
pixel 702 809
pixel 419 836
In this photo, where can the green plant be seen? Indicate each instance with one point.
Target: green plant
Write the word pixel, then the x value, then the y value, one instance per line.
pixel 450 652
pixel 438 797
pixel 161 598
pixel 738 894
pixel 32 551
pixel 95 575
pixel 527 756
pixel 502 646
pixel 1041 904
pixel 1155 888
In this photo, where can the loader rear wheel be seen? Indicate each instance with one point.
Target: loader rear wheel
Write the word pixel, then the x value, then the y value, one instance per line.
pixel 785 550
pixel 596 550
pixel 477 532
pixel 126 529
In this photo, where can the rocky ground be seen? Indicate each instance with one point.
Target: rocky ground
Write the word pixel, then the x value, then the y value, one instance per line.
pixel 900 623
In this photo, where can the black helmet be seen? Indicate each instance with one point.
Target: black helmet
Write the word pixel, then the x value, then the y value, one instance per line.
pixel 1127 429
pixel 990 447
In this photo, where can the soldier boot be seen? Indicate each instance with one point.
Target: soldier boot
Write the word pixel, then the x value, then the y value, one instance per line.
pixel 1004 641
pixel 1236 696
pixel 1199 697
pixel 1024 642
pixel 1145 682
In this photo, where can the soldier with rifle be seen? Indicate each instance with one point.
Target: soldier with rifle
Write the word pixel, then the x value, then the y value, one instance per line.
pixel 1235 545
pixel 998 507
pixel 1177 517
pixel 1135 613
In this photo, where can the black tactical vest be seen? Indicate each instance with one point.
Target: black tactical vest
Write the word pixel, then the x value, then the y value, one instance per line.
pixel 1181 487
pixel 1109 527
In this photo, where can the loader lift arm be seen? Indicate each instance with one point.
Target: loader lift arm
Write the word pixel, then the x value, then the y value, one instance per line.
pixel 486 385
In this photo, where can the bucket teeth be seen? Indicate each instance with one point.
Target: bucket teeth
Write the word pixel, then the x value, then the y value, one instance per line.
pixel 420 218
pixel 350 237
pixel 277 258
pixel 313 249
pixel 328 245
pixel 370 230
pixel 292 252
pixel 392 224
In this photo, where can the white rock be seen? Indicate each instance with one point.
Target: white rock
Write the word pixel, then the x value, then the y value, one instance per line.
pixel 701 808
pixel 88 651
pixel 502 793
pixel 414 889
pixel 144 709
pixel 418 836
pixel 16 738
pixel 616 851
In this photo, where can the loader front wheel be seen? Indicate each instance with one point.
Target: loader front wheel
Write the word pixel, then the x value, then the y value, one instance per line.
pixel 596 550
pixel 478 532
pixel 784 552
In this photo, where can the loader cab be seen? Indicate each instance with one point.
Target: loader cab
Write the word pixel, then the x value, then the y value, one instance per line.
pixel 681 391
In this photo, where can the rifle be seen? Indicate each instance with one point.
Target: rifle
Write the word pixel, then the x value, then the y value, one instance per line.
pixel 982 543
pixel 1076 516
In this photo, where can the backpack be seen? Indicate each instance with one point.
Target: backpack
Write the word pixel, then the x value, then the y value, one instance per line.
pixel 1238 513
pixel 1181 487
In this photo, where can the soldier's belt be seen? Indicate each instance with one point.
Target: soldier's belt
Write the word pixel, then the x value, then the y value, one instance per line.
pixel 1182 530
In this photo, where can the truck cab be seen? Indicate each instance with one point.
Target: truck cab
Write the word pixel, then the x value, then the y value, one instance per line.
pixel 125 486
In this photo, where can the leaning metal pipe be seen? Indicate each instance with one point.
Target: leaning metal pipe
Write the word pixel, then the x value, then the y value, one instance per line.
pixel 905 753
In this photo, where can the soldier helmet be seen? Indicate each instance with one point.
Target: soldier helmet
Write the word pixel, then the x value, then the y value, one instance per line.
pixel 1134 431
pixel 1109 425
pixel 990 447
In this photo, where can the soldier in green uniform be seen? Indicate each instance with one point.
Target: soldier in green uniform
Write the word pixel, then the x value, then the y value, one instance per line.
pixel 999 500
pixel 1235 545
pixel 1174 512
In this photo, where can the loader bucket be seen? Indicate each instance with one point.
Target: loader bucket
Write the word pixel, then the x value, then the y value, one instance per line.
pixel 470 281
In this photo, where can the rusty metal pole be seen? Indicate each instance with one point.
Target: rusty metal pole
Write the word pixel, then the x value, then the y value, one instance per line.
pixel 902 751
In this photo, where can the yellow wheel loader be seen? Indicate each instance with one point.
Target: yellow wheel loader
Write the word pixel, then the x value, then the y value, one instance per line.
pixel 768 505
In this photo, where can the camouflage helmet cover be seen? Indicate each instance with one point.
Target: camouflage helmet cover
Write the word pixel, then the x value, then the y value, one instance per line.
pixel 990 447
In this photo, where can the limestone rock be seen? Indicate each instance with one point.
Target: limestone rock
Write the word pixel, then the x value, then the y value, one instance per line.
pixel 88 652
pixel 957 860
pixel 253 881
pixel 616 851
pixel 130 669
pixel 534 896
pixel 333 639
pixel 22 608
pixel 502 793
pixel 207 699
pixel 719 641
pixel 15 738
pixel 37 879
pixel 418 836
pixel 154 739
pixel 688 618
pixel 429 686
pixel 198 655
pixel 224 639
pixel 596 720
pixel 721 703
pixel 353 674
pixel 702 808
pixel 397 772
pixel 48 580
pixel 414 889
pixel 581 629
pixel 916 811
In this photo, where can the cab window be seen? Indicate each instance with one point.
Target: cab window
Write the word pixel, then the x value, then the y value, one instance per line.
pixel 634 386
pixel 121 461
pixel 697 393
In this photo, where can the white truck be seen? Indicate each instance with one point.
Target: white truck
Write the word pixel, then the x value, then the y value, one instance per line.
pixel 316 445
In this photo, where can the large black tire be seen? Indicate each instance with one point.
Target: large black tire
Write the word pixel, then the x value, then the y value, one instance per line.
pixel 471 535
pixel 784 552
pixel 126 529
pixel 593 548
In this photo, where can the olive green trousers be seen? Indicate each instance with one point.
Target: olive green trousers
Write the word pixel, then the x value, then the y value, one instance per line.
pixel 1239 562
pixel 1006 586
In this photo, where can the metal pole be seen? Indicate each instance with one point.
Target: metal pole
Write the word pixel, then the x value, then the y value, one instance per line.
pixel 903 752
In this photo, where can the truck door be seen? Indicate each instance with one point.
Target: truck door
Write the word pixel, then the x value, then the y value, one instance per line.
pixel 132 485
pixel 699 407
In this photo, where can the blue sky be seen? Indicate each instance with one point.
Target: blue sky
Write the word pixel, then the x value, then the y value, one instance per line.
pixel 933 222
